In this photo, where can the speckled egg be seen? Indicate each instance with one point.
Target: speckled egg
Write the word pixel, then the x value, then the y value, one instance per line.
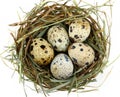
pixel 81 54
pixel 58 37
pixel 79 30
pixel 61 67
pixel 41 51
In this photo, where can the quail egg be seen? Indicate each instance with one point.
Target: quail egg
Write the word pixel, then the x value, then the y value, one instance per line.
pixel 61 66
pixel 58 37
pixel 41 51
pixel 79 30
pixel 81 54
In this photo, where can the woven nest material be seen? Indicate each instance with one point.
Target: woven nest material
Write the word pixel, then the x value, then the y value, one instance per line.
pixel 37 23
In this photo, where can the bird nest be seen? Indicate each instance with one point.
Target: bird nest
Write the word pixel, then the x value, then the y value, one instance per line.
pixel 36 24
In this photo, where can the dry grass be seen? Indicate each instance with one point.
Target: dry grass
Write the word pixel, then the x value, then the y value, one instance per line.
pixel 36 24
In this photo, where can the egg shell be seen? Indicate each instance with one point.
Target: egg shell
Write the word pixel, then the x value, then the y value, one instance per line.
pixel 61 66
pixel 58 37
pixel 81 54
pixel 79 30
pixel 41 51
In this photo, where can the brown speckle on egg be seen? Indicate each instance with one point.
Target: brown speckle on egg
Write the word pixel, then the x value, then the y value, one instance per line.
pixel 44 61
pixel 59 27
pixel 83 26
pixel 80 44
pixel 59 40
pixel 76 36
pixel 81 36
pixel 70 28
pixel 42 58
pixel 81 49
pixel 41 39
pixel 87 63
pixel 46 51
pixel 83 20
pixel 50 46
pixel 73 47
pixel 42 46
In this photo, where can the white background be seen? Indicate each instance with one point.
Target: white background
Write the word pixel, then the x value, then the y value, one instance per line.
pixel 11 87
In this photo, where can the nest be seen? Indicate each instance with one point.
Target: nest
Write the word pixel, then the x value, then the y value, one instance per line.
pixel 36 24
